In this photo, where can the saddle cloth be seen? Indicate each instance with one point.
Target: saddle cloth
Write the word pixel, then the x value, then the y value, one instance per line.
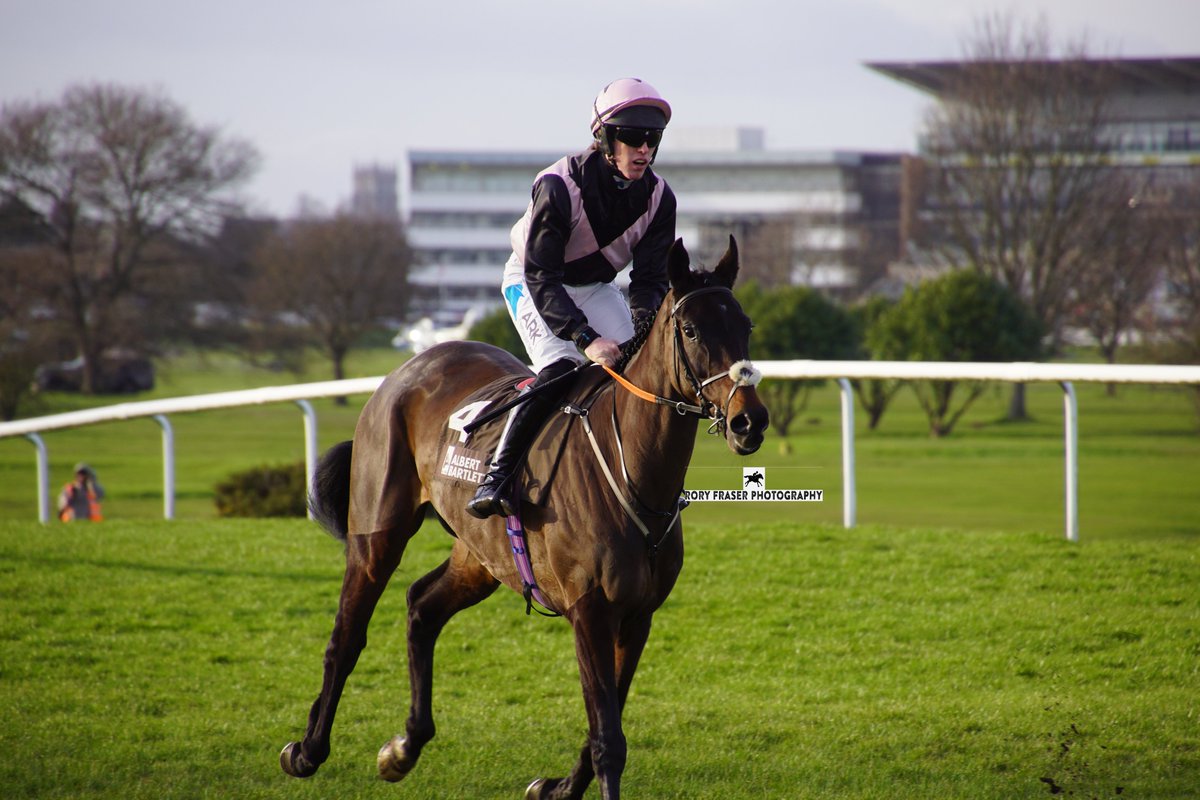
pixel 465 458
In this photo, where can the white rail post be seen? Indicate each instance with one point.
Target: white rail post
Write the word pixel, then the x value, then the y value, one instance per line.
pixel 1071 434
pixel 310 447
pixel 43 477
pixel 849 492
pixel 168 444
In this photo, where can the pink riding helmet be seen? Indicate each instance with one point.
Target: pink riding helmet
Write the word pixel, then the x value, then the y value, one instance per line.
pixel 626 93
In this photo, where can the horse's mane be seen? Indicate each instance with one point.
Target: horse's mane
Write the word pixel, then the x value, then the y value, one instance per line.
pixel 641 333
pixel 699 279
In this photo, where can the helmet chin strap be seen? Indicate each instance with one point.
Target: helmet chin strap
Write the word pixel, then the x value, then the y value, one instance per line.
pixel 620 180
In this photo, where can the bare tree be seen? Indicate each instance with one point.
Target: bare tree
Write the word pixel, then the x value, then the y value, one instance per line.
pixel 1018 159
pixel 23 338
pixel 1181 227
pixel 118 177
pixel 1114 287
pixel 766 245
pixel 329 281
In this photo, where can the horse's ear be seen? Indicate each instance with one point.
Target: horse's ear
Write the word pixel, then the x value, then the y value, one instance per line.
pixel 727 270
pixel 679 268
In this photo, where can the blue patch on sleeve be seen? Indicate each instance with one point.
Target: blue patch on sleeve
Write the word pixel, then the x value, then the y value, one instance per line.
pixel 513 294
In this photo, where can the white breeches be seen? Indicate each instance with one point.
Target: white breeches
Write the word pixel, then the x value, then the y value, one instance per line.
pixel 605 307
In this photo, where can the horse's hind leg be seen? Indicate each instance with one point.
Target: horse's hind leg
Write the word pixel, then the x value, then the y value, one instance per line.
pixel 460 582
pixel 370 561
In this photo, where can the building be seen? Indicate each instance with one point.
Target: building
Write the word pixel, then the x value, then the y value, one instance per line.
pixel 1153 109
pixel 1151 124
pixel 375 194
pixel 824 218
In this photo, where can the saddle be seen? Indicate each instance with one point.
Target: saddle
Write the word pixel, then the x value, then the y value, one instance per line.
pixel 465 457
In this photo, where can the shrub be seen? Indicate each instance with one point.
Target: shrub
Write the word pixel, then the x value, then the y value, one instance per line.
pixel 960 316
pixel 497 328
pixel 264 491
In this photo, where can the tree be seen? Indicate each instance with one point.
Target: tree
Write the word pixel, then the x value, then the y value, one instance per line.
pixel 767 247
pixel 1181 230
pixel 327 282
pixel 1018 156
pixel 23 340
pixel 961 316
pixel 873 395
pixel 118 178
pixel 795 322
pixel 1114 287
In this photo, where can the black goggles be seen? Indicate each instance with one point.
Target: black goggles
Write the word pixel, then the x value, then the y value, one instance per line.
pixel 636 137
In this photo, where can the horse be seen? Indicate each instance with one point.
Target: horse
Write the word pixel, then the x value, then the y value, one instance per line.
pixel 605 555
pixel 754 477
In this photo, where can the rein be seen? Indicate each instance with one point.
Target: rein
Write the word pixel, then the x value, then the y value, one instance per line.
pixel 681 407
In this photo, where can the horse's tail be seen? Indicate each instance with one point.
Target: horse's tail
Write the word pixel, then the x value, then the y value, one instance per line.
pixel 329 499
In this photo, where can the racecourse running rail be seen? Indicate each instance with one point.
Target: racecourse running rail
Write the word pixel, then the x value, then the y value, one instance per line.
pixel 842 371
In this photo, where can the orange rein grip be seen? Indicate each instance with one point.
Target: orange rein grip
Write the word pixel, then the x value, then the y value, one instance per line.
pixel 642 393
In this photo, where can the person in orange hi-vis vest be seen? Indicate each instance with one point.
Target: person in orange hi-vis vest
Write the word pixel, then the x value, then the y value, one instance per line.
pixel 80 499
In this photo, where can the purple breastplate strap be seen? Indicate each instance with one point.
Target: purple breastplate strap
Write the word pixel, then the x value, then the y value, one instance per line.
pixel 520 552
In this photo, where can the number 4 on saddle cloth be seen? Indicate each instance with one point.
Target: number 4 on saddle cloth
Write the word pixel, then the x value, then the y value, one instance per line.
pixel 464 457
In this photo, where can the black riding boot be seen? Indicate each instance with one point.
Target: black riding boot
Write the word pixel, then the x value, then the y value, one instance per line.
pixel 493 495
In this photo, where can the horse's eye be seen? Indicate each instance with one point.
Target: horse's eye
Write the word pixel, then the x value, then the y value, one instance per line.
pixel 689 331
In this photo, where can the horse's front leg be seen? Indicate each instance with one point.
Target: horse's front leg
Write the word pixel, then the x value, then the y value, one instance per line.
pixel 604 754
pixel 460 582
pixel 630 642
pixel 370 561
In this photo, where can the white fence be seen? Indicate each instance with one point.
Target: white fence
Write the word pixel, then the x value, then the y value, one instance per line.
pixel 842 371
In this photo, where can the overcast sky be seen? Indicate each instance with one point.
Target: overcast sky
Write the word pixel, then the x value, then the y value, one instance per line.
pixel 319 87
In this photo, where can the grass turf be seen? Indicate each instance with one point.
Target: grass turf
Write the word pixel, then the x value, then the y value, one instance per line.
pixel 147 659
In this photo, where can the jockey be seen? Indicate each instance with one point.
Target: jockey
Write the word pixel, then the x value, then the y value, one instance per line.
pixel 80 499
pixel 591 214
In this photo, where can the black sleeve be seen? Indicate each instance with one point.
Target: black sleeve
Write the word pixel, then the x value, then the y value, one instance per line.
pixel 545 251
pixel 648 277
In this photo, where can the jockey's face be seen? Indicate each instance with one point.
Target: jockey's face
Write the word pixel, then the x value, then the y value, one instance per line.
pixel 631 162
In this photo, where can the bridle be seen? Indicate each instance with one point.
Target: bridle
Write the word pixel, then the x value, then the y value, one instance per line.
pixel 740 373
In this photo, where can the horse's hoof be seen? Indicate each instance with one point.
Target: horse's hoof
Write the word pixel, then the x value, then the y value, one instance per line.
pixel 294 763
pixel 395 761
pixel 539 788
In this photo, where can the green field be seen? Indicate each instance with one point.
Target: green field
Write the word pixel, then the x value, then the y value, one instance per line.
pixel 145 659
pixel 953 645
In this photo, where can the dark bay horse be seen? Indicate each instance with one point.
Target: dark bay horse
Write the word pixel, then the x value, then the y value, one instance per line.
pixel 606 547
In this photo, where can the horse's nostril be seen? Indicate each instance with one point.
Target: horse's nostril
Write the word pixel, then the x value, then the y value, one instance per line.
pixel 741 424
pixel 749 422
